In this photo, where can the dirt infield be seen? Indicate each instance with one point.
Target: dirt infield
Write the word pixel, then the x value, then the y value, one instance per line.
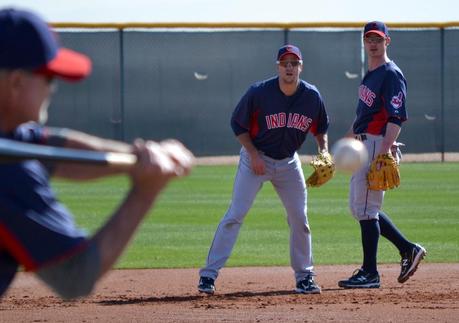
pixel 243 295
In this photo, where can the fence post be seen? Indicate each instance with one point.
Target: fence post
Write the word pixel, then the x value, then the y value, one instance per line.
pixel 442 99
pixel 121 98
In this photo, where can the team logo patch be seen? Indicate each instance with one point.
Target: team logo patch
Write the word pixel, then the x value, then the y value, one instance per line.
pixel 397 101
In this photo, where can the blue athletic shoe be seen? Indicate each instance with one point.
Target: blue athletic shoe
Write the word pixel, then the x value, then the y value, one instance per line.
pixel 307 286
pixel 206 285
pixel 361 279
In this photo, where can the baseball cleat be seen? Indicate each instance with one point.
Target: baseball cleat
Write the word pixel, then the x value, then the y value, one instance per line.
pixel 361 279
pixel 410 261
pixel 307 286
pixel 206 285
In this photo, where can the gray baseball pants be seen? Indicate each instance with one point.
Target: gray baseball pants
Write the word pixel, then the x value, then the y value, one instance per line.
pixel 287 179
pixel 365 204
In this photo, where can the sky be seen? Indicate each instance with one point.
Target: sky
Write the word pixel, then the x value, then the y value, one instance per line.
pixel 151 11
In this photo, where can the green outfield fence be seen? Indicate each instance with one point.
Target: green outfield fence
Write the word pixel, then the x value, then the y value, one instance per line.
pixel 183 80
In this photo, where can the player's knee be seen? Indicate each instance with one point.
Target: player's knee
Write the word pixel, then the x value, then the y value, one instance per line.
pixel 231 224
pixel 298 225
pixel 356 214
pixel 356 210
pixel 297 216
pixel 235 215
pixel 352 210
pixel 75 277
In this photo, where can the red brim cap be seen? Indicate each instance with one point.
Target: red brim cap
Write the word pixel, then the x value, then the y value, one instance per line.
pixel 380 33
pixel 68 65
pixel 288 49
pixel 286 53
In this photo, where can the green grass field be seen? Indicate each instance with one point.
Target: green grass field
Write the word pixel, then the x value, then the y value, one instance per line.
pixel 178 231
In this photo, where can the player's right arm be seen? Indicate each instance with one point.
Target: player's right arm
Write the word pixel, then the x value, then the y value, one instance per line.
pixel 241 124
pixel 157 165
pixel 257 163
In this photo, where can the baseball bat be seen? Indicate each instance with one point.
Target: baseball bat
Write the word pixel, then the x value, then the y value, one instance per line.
pixel 14 151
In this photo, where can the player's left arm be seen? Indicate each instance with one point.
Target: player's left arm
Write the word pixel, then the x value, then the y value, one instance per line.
pixel 320 126
pixel 395 104
pixel 67 138
pixel 384 173
pixel 78 140
pixel 33 132
pixel 322 142
pixel 392 133
pixel 323 164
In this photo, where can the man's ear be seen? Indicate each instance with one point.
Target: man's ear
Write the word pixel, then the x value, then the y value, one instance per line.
pixel 15 79
pixel 11 83
pixel 387 41
pixel 16 82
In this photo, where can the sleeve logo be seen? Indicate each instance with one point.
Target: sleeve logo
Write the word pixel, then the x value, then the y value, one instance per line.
pixel 397 101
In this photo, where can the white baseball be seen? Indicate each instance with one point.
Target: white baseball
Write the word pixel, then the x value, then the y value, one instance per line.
pixel 349 154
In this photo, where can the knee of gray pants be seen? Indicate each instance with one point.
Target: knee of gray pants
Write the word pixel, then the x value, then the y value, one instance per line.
pixel 235 215
pixel 354 212
pixel 74 277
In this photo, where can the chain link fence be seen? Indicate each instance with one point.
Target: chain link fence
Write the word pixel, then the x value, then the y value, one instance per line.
pixel 185 82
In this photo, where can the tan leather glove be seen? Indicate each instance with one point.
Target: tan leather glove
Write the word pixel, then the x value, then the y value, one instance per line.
pixel 324 169
pixel 384 173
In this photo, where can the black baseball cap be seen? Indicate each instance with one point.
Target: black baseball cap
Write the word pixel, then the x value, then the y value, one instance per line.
pixel 376 27
pixel 27 42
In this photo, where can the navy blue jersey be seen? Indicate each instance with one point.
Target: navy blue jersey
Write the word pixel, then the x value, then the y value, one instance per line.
pixel 382 96
pixel 278 124
pixel 35 229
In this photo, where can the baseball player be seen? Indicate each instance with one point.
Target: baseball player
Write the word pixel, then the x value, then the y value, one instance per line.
pixel 381 110
pixel 271 122
pixel 36 231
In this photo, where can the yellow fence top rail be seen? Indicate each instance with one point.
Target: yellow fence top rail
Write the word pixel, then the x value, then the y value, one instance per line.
pixel 250 25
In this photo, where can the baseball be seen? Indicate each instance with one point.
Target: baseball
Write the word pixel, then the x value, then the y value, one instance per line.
pixel 349 154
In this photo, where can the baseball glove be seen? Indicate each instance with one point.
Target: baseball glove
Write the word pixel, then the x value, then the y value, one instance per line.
pixel 384 173
pixel 324 169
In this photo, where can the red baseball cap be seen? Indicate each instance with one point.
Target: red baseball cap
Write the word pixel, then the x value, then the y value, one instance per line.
pixel 27 42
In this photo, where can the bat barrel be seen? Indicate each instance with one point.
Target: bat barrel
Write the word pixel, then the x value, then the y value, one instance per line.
pixel 12 151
